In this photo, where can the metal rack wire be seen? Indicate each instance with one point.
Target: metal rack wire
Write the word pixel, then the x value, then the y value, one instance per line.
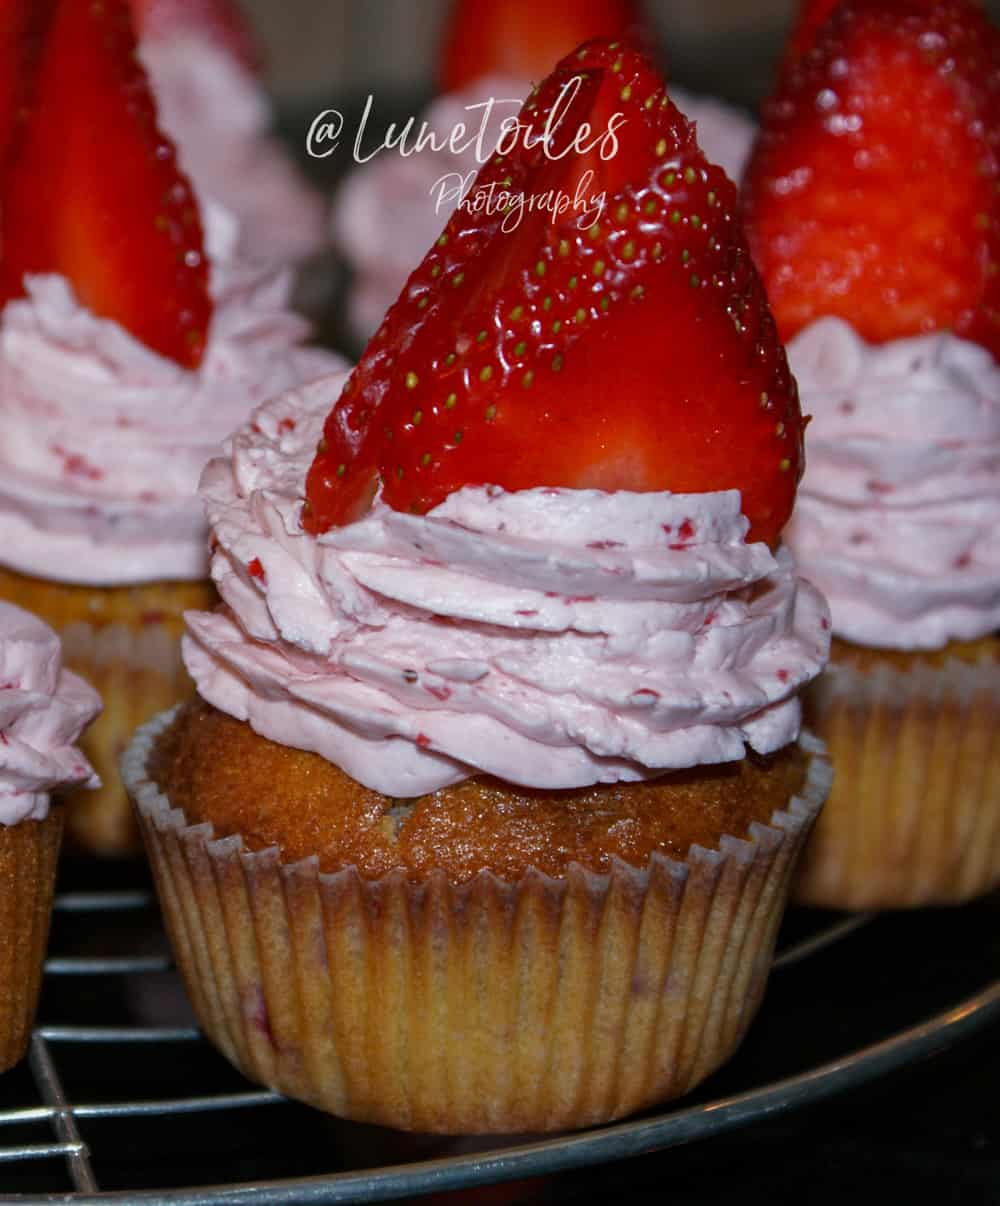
pixel 56 1108
pixel 64 1115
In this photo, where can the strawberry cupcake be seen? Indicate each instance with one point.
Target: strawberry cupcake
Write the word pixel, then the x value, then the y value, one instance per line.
pixel 204 67
pixel 43 710
pixel 133 339
pixel 390 210
pixel 486 814
pixel 884 280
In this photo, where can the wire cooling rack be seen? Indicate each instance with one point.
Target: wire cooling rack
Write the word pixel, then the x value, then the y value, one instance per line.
pixel 117 1102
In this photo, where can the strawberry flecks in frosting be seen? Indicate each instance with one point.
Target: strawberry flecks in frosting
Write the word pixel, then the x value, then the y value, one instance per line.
pixel 74 464
pixel 43 710
pixel 385 216
pixel 898 517
pixel 486 636
pixel 102 440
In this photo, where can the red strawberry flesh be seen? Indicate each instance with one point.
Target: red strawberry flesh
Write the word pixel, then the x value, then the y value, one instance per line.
pixel 872 192
pixel 95 194
pixel 638 354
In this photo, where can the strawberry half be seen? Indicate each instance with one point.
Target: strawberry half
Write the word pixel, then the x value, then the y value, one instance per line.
pixel 523 39
pixel 220 22
pixel 94 191
pixel 636 354
pixel 872 193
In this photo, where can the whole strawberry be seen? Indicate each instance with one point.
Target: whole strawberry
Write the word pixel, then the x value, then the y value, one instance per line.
pixel 872 194
pixel 621 343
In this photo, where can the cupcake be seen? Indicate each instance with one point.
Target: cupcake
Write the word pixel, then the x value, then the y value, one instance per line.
pixel 133 339
pixel 43 710
pixel 872 203
pixel 486 815
pixel 204 67
pixel 389 211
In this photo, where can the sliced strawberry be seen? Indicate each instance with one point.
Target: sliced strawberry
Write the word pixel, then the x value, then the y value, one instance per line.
pixel 873 190
pixel 23 24
pixel 639 354
pixel 221 22
pixel 95 193
pixel 524 39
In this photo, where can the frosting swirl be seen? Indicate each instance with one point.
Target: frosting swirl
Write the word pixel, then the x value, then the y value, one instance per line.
pixel 102 440
pixel 43 711
pixel 898 517
pixel 554 638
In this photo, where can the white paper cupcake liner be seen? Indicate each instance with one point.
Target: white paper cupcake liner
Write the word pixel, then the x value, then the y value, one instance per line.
pixel 914 814
pixel 537 1005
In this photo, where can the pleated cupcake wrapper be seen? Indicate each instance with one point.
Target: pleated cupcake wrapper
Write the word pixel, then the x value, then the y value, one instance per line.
pixel 914 814
pixel 538 1005
pixel 138 673
pixel 28 855
pixel 125 641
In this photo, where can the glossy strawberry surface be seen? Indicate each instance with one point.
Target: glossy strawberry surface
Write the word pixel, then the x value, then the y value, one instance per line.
pixel 631 352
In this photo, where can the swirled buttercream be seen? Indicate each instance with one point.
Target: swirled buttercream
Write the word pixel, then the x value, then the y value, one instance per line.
pixel 898 516
pixel 102 440
pixel 43 710
pixel 551 637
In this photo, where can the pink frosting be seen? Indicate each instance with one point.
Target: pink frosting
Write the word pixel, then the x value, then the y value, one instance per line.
pixel 102 441
pixel 385 216
pixel 898 517
pixel 43 711
pixel 554 638
pixel 220 119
